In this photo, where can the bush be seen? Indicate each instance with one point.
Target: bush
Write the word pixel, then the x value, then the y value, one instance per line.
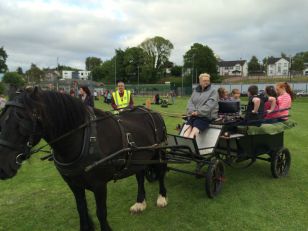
pixel 13 78
pixel 2 88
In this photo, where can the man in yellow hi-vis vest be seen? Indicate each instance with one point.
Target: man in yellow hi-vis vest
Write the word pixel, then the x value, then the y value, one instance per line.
pixel 121 98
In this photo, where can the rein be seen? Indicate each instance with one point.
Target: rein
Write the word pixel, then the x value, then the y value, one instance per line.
pixel 25 150
pixel 67 134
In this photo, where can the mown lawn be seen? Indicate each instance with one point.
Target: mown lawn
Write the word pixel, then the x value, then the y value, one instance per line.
pixel 38 199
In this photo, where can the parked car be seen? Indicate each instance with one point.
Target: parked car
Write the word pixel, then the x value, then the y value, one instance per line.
pixel 301 93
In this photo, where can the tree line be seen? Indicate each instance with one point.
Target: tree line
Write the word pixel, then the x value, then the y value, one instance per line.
pixel 149 62
pixel 297 62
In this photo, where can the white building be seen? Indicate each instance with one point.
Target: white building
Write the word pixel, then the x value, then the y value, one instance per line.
pixel 278 67
pixel 233 68
pixel 84 75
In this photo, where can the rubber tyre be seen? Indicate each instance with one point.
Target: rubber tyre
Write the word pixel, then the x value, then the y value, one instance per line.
pixel 151 175
pixel 280 163
pixel 214 178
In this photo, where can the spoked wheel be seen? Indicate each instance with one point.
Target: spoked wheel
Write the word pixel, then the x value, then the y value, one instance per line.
pixel 150 174
pixel 214 178
pixel 280 163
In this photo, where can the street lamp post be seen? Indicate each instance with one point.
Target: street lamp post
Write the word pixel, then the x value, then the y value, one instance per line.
pixel 115 70
pixel 290 67
pixel 193 68
pixel 182 81
pixel 138 78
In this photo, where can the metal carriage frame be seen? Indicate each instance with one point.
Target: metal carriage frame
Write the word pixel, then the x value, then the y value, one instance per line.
pixel 220 145
pixel 216 146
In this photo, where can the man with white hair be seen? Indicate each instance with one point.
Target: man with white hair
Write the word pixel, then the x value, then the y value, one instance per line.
pixel 202 107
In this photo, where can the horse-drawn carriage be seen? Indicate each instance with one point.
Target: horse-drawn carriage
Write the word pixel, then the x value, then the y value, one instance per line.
pixel 229 140
pixel 92 147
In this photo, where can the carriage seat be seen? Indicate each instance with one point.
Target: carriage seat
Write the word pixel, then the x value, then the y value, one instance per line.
pixel 270 129
pixel 206 140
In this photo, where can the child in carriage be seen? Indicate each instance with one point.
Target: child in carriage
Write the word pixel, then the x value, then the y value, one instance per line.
pixel 285 98
pixel 271 105
pixel 255 107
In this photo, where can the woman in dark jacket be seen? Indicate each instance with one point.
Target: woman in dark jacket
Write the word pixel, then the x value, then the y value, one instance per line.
pixel 85 96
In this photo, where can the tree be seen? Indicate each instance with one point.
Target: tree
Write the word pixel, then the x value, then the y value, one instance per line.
pixel 298 64
pixel 253 65
pixel 104 73
pixel 134 61
pixel 158 50
pixel 200 59
pixel 92 62
pixel 2 88
pixel 34 74
pixel 283 55
pixel 299 60
pixel 66 68
pixel 97 73
pixel 119 66
pixel 19 70
pixel 176 71
pixel 13 79
pixel 265 64
pixel 3 57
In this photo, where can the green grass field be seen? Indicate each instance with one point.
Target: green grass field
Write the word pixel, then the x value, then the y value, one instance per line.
pixel 38 199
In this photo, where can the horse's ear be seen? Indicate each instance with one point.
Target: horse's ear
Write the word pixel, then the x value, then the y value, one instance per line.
pixel 33 92
pixel 12 91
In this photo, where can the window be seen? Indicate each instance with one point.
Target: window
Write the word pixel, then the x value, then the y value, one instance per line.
pixel 285 64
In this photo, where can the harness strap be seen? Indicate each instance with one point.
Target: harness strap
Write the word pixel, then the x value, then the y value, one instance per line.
pixel 12 146
pixel 153 122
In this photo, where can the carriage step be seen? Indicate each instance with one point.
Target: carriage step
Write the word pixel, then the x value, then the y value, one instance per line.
pixel 232 136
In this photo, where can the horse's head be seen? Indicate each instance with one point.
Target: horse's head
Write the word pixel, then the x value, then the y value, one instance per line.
pixel 20 129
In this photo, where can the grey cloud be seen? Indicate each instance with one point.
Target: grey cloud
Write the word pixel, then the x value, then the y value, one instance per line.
pixel 233 29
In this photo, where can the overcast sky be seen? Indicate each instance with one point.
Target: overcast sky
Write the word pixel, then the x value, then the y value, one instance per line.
pixel 39 31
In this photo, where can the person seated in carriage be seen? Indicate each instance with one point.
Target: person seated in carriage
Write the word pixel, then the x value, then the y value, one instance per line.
pixel 271 105
pixel 223 94
pixel 202 107
pixel 285 98
pixel 255 107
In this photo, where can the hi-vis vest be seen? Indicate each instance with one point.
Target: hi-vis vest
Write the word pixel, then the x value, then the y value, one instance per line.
pixel 121 102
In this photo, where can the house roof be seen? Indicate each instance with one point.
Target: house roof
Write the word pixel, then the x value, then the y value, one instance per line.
pixel 273 60
pixel 231 63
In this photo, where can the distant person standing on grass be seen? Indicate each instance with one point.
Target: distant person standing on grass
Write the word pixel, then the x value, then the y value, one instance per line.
pixel 121 98
pixel 85 96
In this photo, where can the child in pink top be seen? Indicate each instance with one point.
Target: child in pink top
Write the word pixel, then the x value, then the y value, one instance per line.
pixel 271 105
pixel 285 98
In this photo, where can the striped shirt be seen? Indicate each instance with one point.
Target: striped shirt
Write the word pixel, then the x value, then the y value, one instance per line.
pixel 284 101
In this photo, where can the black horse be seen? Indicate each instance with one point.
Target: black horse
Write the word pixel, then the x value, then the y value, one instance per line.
pixel 80 138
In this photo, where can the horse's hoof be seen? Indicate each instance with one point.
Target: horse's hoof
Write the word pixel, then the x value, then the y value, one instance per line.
pixel 138 207
pixel 161 201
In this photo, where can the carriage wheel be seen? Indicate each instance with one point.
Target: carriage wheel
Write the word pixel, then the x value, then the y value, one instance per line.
pixel 151 174
pixel 214 178
pixel 280 163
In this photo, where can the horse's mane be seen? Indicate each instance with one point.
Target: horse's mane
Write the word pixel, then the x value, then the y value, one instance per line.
pixel 60 112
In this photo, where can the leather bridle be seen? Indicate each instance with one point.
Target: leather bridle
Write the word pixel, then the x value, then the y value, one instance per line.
pixel 25 150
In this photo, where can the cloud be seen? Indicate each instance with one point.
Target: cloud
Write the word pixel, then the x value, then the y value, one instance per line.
pixel 39 31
